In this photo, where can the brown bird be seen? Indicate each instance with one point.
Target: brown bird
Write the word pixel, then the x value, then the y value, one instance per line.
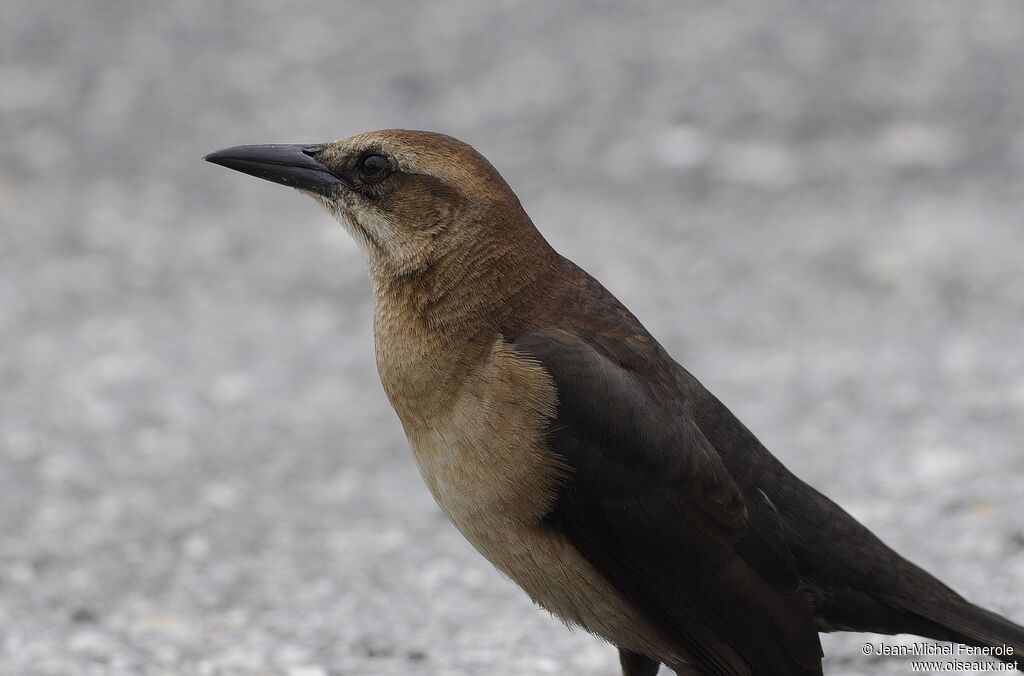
pixel 575 454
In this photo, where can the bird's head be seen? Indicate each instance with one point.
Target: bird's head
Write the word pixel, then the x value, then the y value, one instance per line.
pixel 410 198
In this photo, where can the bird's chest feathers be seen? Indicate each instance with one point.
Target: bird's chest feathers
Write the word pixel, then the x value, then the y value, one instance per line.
pixel 475 420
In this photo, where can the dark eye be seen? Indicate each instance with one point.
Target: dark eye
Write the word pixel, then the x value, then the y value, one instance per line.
pixel 373 166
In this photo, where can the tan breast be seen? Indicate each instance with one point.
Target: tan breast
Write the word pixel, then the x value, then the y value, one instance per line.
pixel 480 448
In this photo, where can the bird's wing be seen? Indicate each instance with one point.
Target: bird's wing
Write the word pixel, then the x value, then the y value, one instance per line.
pixel 653 509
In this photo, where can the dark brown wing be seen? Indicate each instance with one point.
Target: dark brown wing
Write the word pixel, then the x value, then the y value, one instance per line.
pixel 653 508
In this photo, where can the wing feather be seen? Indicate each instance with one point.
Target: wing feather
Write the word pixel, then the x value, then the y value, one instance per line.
pixel 651 505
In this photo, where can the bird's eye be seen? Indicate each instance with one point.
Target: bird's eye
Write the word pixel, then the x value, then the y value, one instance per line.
pixel 373 166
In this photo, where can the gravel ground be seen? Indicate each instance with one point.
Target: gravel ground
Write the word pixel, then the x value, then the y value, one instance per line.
pixel 816 206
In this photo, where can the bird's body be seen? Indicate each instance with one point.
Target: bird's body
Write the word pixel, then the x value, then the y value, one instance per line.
pixel 477 428
pixel 500 509
pixel 575 454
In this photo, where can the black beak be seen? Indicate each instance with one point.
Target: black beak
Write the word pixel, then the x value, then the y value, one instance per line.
pixel 292 165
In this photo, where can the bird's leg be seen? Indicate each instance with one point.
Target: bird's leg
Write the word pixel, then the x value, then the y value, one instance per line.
pixel 634 664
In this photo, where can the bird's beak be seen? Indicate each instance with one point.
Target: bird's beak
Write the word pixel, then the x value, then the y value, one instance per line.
pixel 292 165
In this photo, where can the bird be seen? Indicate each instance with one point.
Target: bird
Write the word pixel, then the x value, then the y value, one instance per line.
pixel 575 454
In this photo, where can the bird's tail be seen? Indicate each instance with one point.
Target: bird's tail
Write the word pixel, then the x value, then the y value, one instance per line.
pixel 960 621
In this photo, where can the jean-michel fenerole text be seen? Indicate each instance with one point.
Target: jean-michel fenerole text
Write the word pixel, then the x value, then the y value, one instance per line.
pixel 953 650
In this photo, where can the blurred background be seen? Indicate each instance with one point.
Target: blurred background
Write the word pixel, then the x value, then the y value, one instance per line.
pixel 816 206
